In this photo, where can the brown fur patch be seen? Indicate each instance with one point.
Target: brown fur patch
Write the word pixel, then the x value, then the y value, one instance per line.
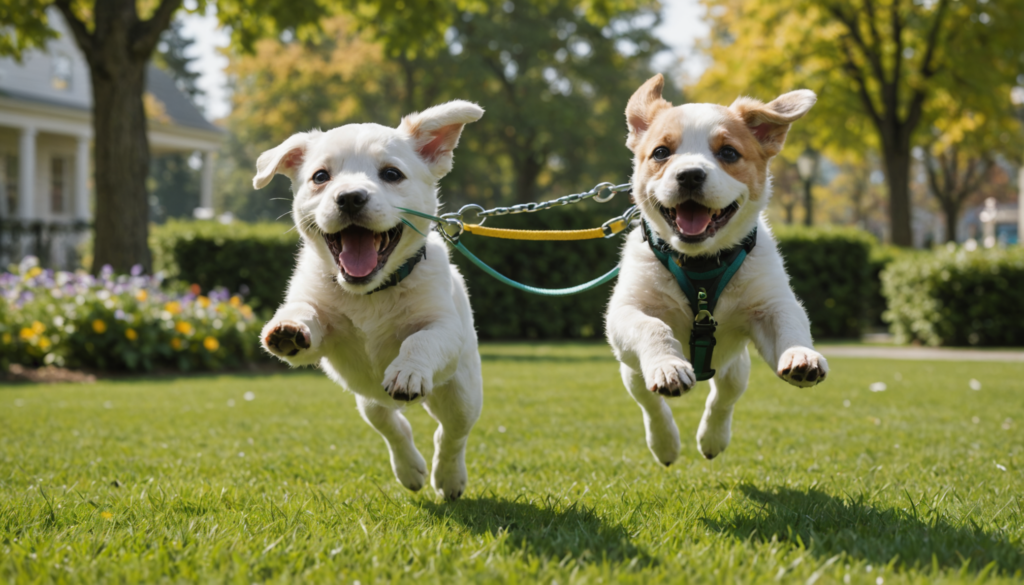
pixel 752 167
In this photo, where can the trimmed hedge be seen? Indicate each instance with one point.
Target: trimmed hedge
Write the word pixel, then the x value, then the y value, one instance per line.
pixel 256 259
pixel 957 297
pixel 831 273
pixel 830 270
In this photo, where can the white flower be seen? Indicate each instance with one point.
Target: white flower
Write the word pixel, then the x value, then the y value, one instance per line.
pixel 974 384
pixel 249 396
pixel 1000 467
pixel 878 387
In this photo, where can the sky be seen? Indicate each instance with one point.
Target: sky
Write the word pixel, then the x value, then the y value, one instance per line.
pixel 682 27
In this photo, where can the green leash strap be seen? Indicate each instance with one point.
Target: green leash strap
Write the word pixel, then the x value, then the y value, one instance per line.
pixel 697 276
pixel 548 292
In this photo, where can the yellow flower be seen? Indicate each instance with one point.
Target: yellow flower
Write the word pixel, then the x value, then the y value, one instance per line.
pixel 38 327
pixel 142 295
pixel 7 338
pixel 173 307
pixel 235 301
pixel 26 333
pixel 106 515
pixel 211 344
pixel 204 301
pixel 247 311
pixel 183 327
pixel 99 326
pixel 44 343
pixel 131 334
pixel 176 344
pixel 34 272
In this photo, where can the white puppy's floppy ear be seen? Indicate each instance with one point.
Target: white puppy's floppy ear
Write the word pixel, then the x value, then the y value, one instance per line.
pixel 643 107
pixel 285 159
pixel 770 122
pixel 435 132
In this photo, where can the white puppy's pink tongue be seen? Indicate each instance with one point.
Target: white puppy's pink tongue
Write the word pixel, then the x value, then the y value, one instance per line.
pixel 692 218
pixel 358 251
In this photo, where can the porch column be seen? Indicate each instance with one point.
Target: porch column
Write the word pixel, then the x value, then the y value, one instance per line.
pixel 82 179
pixel 206 182
pixel 27 174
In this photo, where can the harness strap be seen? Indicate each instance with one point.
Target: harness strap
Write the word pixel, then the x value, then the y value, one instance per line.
pixel 702 280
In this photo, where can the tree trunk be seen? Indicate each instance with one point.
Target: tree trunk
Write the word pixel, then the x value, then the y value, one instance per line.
pixel 897 177
pixel 527 170
pixel 121 159
pixel 952 215
pixel 808 203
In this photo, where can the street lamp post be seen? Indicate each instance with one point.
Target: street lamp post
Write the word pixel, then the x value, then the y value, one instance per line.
pixel 1017 97
pixel 807 167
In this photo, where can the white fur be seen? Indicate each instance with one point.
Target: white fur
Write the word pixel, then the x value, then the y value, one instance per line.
pixel 649 318
pixel 416 338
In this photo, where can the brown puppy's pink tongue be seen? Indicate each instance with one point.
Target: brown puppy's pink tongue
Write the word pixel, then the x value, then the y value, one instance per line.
pixel 358 251
pixel 692 218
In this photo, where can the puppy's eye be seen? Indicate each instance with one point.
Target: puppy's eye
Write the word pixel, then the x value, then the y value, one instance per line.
pixel 391 175
pixel 728 154
pixel 320 177
pixel 661 153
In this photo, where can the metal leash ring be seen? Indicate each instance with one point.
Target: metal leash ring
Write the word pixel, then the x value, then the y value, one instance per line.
pixel 478 209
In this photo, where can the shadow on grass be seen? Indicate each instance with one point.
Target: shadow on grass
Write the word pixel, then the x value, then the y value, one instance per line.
pixel 827 525
pixel 545 530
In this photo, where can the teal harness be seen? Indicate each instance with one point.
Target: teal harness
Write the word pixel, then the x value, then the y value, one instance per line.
pixel 702 279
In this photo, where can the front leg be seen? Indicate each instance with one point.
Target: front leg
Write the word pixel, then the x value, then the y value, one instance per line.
pixel 782 333
pixel 294 334
pixel 423 355
pixel 647 344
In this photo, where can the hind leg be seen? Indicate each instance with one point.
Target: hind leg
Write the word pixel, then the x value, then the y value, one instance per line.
pixel 456 407
pixel 407 463
pixel 727 386
pixel 662 433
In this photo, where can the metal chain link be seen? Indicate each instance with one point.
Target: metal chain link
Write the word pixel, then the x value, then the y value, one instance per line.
pixel 594 193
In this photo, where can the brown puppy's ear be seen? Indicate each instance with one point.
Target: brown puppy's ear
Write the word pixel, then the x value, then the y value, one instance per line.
pixel 643 107
pixel 770 122
pixel 284 159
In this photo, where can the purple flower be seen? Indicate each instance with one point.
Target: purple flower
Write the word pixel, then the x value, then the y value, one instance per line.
pixel 137 270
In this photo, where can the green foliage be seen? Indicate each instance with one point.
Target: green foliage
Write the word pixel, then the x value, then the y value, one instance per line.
pixel 830 272
pixel 256 259
pixel 957 297
pixel 185 480
pixel 120 323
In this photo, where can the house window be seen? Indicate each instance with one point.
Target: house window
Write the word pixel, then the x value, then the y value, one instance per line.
pixel 60 77
pixel 58 184
pixel 9 167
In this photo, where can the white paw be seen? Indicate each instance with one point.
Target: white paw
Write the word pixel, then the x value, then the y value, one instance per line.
pixel 802 367
pixel 410 469
pixel 405 382
pixel 670 376
pixel 663 441
pixel 286 338
pixel 449 478
pixel 713 435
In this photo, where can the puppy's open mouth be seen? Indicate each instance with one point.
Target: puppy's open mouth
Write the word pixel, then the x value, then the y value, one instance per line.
pixel 360 252
pixel 696 223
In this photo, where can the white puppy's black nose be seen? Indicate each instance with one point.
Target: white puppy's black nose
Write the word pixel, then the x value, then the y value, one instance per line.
pixel 351 202
pixel 691 179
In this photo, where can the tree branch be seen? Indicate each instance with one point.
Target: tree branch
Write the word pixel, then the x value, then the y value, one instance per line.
pixel 862 88
pixel 915 110
pixel 147 33
pixel 82 36
pixel 870 53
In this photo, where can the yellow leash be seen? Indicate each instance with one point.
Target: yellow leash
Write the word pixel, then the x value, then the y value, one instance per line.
pixel 609 229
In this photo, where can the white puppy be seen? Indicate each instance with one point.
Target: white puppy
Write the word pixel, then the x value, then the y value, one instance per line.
pixel 701 181
pixel 376 305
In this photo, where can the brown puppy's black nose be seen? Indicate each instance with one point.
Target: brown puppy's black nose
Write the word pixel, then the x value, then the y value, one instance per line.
pixel 351 202
pixel 691 179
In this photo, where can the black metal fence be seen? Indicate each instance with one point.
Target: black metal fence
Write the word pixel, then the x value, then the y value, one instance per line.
pixel 56 244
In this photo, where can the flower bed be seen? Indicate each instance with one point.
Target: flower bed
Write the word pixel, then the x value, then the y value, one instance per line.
pixel 127 322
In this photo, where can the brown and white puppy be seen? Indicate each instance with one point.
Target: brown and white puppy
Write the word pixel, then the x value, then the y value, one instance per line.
pixel 701 181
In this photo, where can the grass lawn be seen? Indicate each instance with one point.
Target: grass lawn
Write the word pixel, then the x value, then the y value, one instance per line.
pixel 195 479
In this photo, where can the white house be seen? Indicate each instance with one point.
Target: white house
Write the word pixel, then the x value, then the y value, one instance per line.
pixel 46 139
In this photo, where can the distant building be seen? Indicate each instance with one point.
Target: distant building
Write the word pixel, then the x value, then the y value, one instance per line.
pixel 45 142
